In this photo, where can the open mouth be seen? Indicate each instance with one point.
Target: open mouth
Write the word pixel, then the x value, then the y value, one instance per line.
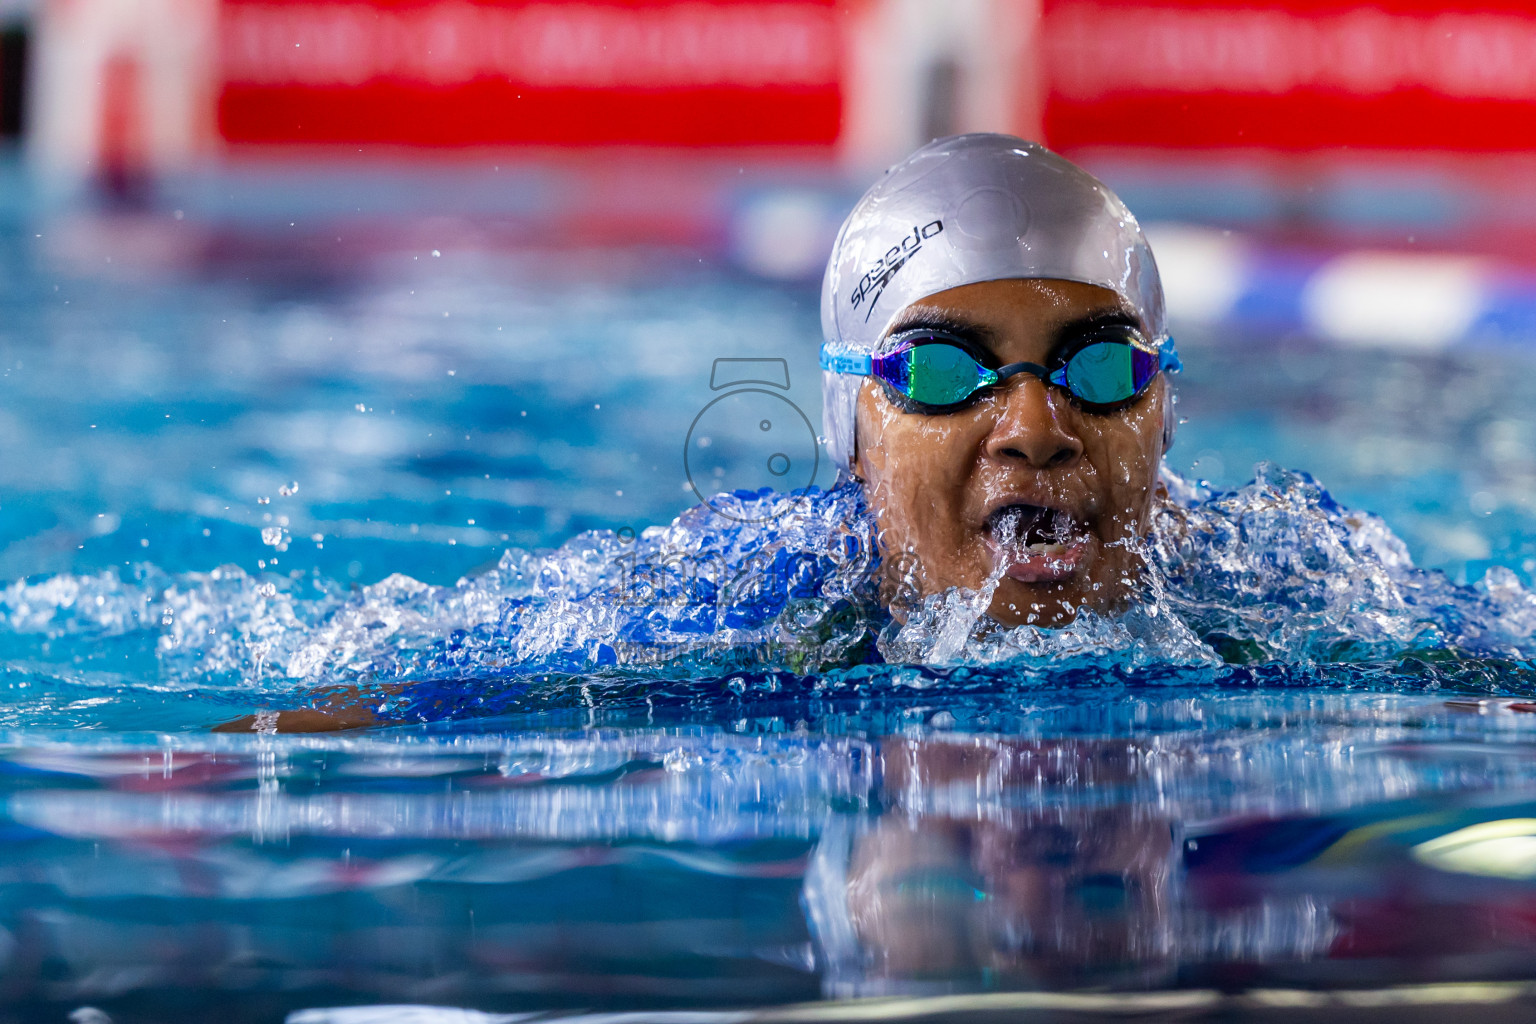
pixel 1036 544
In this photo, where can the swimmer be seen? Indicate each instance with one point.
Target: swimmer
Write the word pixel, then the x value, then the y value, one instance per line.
pixel 994 366
pixel 995 378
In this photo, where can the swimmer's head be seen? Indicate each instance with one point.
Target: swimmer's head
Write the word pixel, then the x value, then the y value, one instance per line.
pixel 1006 455
pixel 971 208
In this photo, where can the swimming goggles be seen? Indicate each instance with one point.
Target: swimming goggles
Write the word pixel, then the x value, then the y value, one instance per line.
pixel 935 371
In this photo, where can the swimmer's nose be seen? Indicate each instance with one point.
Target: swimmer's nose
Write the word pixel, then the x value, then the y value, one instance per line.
pixel 1028 428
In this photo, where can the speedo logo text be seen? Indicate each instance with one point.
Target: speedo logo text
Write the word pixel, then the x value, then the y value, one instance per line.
pixel 885 267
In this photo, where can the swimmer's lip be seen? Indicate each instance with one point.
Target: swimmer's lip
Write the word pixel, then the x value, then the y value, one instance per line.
pixel 996 508
pixel 1051 563
pixel 1047 567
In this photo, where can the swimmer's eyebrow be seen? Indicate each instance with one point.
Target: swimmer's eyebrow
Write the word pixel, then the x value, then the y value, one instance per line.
pixel 932 320
pixel 986 337
pixel 1074 329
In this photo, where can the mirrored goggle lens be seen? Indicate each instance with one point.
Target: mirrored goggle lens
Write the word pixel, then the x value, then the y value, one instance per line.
pixel 934 373
pixel 1108 372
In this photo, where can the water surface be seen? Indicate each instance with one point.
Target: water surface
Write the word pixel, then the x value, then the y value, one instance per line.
pixel 632 764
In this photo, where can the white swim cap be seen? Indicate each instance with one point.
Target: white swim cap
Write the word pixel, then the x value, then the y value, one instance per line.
pixel 971 208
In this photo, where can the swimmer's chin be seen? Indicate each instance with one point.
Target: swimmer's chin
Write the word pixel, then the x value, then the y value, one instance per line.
pixel 1049 605
pixel 1055 603
pixel 1042 584
pixel 1052 604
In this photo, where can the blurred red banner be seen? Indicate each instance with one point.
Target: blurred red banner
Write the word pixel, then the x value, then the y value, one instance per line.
pixel 1290 74
pixel 488 72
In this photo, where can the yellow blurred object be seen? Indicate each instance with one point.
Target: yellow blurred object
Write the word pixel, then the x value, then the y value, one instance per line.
pixel 1493 849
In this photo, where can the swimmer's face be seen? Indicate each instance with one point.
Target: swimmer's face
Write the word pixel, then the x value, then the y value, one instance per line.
pixel 1023 481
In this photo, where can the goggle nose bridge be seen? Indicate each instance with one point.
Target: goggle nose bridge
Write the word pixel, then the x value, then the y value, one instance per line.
pixel 1045 374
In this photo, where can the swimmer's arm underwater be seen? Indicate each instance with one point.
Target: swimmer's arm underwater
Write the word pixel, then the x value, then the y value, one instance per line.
pixel 339 709
pixel 334 708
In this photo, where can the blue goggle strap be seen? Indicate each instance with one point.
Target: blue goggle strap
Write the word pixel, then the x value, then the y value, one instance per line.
pixel 860 364
pixel 1168 361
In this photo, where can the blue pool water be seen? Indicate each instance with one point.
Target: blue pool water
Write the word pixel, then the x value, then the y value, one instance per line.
pixel 422 468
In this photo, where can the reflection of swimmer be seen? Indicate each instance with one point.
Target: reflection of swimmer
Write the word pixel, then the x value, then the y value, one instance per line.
pixel 1038 896
pixel 994 342
pixel 994 350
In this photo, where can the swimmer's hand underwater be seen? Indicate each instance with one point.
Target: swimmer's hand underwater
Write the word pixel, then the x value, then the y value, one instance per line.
pixel 346 708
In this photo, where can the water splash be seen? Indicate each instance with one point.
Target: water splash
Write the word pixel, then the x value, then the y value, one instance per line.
pixel 953 628
pixel 1278 570
pixel 784 594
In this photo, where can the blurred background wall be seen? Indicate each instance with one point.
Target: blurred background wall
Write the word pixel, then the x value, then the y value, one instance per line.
pixel 167 82
pixel 1322 126
pixel 1296 89
pixel 866 79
